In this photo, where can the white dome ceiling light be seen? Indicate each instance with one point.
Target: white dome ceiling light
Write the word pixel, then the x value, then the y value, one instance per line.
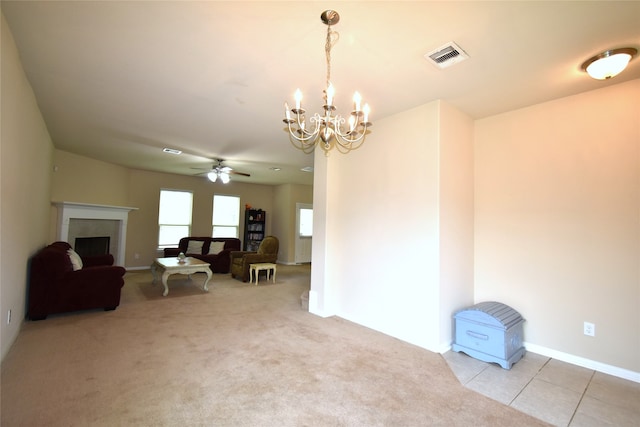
pixel 609 63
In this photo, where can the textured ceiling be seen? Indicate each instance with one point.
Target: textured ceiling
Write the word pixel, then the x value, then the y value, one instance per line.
pixel 118 81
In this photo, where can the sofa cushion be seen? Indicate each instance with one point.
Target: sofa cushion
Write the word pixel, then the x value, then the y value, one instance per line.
pixel 195 247
pixel 75 259
pixel 216 247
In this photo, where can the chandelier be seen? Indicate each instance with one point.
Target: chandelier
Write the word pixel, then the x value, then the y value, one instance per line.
pixel 333 130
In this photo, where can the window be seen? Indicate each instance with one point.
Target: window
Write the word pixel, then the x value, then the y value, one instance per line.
pixel 306 222
pixel 174 217
pixel 226 216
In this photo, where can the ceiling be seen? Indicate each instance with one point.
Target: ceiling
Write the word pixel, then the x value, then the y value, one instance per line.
pixel 119 81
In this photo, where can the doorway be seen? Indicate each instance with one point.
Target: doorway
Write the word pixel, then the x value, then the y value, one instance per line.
pixel 304 233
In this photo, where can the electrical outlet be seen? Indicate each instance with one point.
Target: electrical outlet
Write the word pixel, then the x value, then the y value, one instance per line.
pixel 589 329
pixel 9 317
pixel 136 255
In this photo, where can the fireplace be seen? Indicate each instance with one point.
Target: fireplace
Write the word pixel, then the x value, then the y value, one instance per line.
pixel 81 220
pixel 88 246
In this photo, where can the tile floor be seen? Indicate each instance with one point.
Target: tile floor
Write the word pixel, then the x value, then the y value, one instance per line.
pixel 557 392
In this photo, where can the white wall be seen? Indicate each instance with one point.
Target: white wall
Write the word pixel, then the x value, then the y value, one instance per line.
pixel 382 231
pixel 26 154
pixel 456 217
pixel 555 234
pixel 557 221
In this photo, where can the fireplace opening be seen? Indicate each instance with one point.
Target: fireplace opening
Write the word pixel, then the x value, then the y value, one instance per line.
pixel 88 246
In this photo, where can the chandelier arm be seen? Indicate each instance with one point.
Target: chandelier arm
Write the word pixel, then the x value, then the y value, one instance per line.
pixel 317 123
pixel 306 136
pixel 353 138
pixel 336 123
pixel 346 141
pixel 349 144
pixel 350 135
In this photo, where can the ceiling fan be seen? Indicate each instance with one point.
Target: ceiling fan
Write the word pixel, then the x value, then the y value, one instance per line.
pixel 218 170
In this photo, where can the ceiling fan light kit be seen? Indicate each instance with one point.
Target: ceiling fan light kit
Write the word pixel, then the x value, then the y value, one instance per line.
pixel 609 63
pixel 214 175
pixel 221 172
pixel 333 130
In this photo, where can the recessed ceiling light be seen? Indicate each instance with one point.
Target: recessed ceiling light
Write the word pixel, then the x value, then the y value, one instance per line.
pixel 275 169
pixel 307 169
pixel 172 151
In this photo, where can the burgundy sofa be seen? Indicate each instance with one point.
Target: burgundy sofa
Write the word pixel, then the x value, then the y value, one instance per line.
pixel 54 286
pixel 219 262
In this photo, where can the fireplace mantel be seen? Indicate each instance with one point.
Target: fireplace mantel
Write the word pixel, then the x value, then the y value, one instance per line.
pixel 74 210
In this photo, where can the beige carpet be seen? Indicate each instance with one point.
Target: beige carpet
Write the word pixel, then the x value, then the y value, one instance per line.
pixel 239 355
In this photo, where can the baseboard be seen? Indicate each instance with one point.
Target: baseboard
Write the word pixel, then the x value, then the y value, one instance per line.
pixel 585 363
pixel 136 268
pixel 313 305
pixel 444 348
pixel 574 360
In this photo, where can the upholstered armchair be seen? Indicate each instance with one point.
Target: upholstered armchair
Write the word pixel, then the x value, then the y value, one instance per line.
pixel 241 260
pixel 61 281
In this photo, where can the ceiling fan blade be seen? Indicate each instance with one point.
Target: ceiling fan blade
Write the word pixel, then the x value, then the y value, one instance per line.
pixel 219 168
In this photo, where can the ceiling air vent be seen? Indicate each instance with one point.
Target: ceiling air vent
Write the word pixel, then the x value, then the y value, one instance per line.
pixel 447 55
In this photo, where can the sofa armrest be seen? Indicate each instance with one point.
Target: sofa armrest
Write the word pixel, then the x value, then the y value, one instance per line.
pixel 224 254
pixel 240 254
pixel 171 252
pixel 96 260
pixel 94 276
pixel 254 258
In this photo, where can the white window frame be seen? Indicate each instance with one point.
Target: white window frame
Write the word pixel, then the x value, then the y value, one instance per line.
pixel 183 228
pixel 217 228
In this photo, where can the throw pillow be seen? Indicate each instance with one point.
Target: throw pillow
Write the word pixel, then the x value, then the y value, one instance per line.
pixel 215 248
pixel 75 259
pixel 194 247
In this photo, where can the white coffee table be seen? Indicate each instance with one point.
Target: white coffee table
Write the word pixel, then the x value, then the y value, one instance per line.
pixel 168 266
pixel 254 269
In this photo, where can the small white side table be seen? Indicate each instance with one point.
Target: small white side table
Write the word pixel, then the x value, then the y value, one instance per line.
pixel 254 269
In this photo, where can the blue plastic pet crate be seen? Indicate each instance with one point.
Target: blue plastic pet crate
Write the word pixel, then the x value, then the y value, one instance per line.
pixel 490 331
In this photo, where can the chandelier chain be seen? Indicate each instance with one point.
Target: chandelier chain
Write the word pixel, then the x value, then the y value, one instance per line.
pixel 327 49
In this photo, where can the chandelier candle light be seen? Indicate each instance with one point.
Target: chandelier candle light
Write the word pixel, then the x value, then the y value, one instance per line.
pixel 334 131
